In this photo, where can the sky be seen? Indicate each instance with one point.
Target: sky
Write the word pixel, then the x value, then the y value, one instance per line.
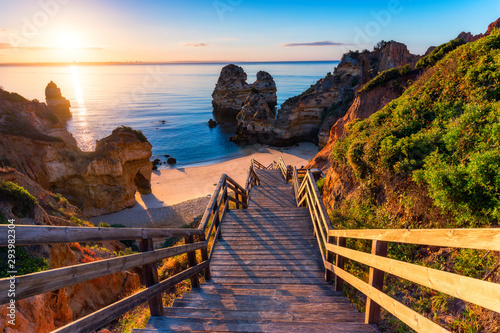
pixel 227 30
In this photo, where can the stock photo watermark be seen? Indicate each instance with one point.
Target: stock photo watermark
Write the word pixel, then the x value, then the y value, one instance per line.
pixel 224 6
pixel 11 264
pixel 32 25
pixel 381 19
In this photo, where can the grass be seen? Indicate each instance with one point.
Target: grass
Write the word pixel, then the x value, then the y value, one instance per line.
pixel 23 202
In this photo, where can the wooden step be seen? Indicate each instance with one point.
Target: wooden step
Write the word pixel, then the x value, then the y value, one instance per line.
pixel 264 280
pixel 266 298
pixel 164 324
pixel 266 290
pixel 336 317
pixel 263 305
pixel 269 288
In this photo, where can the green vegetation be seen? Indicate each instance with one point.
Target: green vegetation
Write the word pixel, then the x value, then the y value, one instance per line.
pixel 137 133
pixel 25 263
pixel 3 219
pixel 320 183
pixel 386 76
pixel 23 202
pixel 438 53
pixel 429 159
pixel 443 133
pixel 11 97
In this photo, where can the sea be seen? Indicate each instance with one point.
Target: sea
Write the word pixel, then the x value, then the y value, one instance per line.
pixel 170 103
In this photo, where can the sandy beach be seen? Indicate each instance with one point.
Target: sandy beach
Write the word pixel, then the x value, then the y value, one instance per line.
pixel 180 194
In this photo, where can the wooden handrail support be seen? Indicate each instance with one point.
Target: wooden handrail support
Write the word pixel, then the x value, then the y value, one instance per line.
pixel 482 293
pixel 195 239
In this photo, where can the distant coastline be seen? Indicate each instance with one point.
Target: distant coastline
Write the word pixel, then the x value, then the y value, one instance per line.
pixel 163 63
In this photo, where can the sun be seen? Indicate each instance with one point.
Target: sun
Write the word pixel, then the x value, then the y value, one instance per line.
pixel 68 39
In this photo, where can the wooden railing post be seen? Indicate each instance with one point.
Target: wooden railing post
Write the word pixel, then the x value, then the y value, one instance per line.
pixel 376 280
pixel 339 262
pixel 150 275
pixel 204 257
pixel 329 258
pixel 195 282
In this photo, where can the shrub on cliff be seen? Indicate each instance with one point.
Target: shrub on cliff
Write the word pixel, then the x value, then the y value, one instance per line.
pixel 128 129
pixel 443 133
pixel 22 201
pixel 386 76
pixel 438 53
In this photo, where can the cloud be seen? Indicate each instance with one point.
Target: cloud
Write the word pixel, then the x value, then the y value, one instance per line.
pixel 196 44
pixel 230 38
pixel 323 43
pixel 4 46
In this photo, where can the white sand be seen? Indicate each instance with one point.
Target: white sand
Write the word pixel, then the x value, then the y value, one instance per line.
pixel 174 186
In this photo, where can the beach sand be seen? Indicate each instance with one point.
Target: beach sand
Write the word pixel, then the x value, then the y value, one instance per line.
pixel 180 194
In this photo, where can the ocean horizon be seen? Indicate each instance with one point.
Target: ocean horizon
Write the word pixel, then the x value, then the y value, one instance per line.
pixel 170 103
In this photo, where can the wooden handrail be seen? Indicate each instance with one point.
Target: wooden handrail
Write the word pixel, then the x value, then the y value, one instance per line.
pixel 482 293
pixel 46 281
pixel 97 319
pixel 36 235
pixel 479 239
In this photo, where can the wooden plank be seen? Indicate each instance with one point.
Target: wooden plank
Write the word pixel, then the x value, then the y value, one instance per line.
pixel 268 280
pixel 480 239
pixel 100 318
pixel 221 325
pixel 329 317
pixel 42 282
pixel 411 318
pixel 36 235
pixel 266 274
pixel 271 305
pixel 265 256
pixel 272 287
pixel 261 262
pixel 267 298
pixel 482 293
pixel 268 291
pixel 236 201
pixel 298 267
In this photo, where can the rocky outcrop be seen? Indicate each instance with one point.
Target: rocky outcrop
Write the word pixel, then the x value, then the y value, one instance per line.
pixel 46 312
pixel 232 90
pixel 266 86
pixel 56 102
pixel 310 116
pixel 33 141
pixel 256 118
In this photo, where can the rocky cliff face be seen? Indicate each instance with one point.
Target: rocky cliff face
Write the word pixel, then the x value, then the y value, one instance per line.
pixel 46 312
pixel 232 91
pixel 56 102
pixel 33 141
pixel 310 116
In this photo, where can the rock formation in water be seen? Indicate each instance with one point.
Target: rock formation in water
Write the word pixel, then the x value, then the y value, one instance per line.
pixel 232 90
pixel 46 312
pixel 309 116
pixel 33 141
pixel 56 102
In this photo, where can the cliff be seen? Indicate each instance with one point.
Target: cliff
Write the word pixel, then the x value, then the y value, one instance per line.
pixel 46 312
pixel 309 116
pixel 419 149
pixel 232 91
pixel 35 142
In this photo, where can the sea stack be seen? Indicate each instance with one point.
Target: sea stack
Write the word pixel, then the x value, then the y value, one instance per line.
pixel 232 90
pixel 56 102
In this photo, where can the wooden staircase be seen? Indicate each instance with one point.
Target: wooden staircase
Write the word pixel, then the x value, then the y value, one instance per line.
pixel 267 274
